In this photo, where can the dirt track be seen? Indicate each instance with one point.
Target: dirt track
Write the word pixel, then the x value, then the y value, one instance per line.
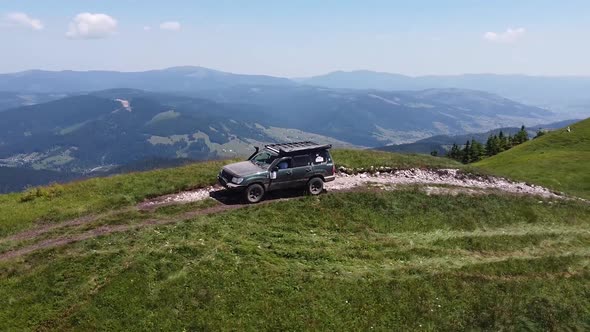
pixel 461 183
pixel 451 177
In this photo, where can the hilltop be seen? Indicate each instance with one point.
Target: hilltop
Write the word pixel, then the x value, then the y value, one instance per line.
pixel 558 160
pixel 417 257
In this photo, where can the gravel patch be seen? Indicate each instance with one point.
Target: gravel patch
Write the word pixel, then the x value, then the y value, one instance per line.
pixel 388 180
pixel 452 177
pixel 180 198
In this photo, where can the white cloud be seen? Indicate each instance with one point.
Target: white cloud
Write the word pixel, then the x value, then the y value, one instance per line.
pixel 508 36
pixel 170 26
pixel 147 28
pixel 91 26
pixel 23 20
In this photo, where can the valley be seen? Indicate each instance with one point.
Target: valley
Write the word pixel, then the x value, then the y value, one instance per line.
pixel 205 114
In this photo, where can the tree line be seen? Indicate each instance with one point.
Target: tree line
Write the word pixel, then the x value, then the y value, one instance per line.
pixel 474 151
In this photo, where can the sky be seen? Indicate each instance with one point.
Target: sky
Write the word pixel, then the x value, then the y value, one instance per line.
pixel 299 38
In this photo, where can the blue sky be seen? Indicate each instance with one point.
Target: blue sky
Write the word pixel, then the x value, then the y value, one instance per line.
pixel 299 37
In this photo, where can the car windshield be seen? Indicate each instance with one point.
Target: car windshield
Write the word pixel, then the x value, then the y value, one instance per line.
pixel 264 158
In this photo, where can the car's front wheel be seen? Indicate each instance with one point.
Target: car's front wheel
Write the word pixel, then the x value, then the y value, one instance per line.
pixel 254 193
pixel 315 186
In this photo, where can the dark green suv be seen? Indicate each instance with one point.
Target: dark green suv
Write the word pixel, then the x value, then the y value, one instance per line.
pixel 280 166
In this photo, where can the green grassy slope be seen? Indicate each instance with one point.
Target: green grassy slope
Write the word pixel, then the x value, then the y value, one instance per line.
pixel 558 160
pixel 349 261
pixel 367 158
pixel 60 202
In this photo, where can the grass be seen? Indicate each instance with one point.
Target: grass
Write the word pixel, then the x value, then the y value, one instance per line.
pixel 398 260
pixel 349 261
pixel 366 158
pixel 559 160
pixel 60 202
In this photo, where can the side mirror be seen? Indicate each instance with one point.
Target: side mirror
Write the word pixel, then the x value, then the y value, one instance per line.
pixel 273 175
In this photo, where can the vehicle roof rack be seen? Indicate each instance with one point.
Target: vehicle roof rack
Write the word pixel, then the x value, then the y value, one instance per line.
pixel 286 148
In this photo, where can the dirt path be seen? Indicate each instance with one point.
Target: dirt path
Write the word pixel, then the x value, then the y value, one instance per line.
pixel 40 230
pixel 450 177
pixel 106 229
pixel 431 179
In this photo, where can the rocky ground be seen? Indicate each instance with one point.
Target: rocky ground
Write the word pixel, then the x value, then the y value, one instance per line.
pixel 464 182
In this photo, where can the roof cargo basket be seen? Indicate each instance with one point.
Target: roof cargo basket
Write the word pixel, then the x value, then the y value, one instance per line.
pixel 287 148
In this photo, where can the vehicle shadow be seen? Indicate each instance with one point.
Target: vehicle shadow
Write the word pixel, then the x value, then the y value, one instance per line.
pixel 237 198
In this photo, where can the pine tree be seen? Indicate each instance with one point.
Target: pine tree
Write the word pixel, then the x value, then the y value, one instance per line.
pixel 490 146
pixel 476 151
pixel 501 142
pixel 522 136
pixel 454 152
pixel 495 146
pixel 465 157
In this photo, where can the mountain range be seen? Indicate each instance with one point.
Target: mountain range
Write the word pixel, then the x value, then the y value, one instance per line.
pixel 170 79
pixel 97 122
pixel 119 126
pixel 565 94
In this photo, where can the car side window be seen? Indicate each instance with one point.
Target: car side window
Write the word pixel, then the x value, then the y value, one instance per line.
pixel 319 157
pixel 284 164
pixel 301 161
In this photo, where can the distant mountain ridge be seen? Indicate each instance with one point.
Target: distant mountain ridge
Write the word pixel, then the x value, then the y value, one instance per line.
pixel 561 93
pixel 9 99
pixel 120 126
pixel 106 129
pixel 374 117
pixel 170 79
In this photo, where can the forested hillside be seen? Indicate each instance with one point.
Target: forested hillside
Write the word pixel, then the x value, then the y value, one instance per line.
pixel 560 160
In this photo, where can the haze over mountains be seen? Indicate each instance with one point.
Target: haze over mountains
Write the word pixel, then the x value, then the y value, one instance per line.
pixel 93 121
pixel 170 79
pixel 560 93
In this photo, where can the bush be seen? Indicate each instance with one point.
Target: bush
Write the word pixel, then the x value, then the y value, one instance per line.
pixel 50 192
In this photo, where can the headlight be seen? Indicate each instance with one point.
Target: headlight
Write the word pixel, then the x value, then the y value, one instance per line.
pixel 237 180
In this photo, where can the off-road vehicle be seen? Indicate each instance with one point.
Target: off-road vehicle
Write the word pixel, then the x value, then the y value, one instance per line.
pixel 280 166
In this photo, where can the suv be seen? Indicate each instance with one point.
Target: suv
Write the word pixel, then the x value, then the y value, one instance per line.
pixel 280 166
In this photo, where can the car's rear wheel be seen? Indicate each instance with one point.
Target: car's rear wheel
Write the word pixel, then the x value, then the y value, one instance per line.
pixel 315 186
pixel 254 193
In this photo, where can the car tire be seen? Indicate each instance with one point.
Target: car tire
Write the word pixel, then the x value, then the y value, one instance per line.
pixel 315 186
pixel 254 193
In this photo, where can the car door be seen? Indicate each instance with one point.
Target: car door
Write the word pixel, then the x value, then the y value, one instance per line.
pixel 282 176
pixel 302 170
